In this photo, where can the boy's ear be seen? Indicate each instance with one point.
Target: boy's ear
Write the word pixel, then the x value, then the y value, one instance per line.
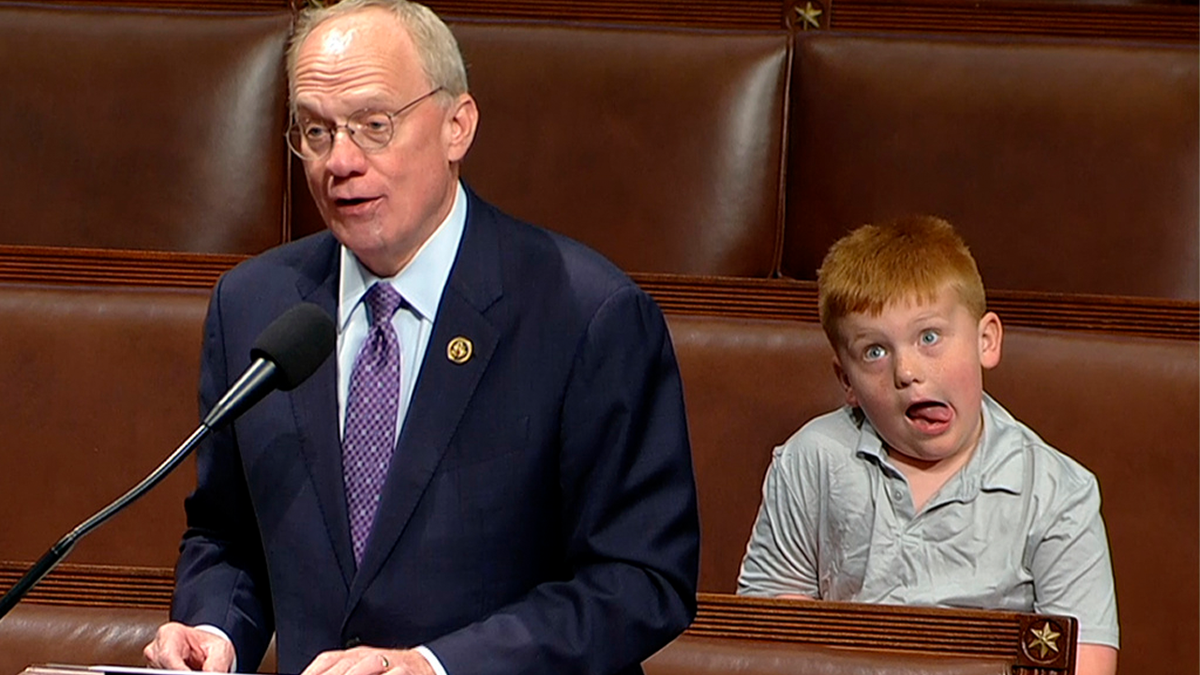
pixel 840 372
pixel 991 336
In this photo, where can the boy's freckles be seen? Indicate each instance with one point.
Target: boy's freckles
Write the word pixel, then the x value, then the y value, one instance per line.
pixel 915 370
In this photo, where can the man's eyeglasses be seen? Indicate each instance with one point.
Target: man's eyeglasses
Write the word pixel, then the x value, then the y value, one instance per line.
pixel 369 129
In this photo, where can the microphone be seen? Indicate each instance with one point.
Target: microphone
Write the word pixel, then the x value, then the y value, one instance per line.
pixel 285 354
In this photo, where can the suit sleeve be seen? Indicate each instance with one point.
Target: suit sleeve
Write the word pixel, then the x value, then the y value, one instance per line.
pixel 629 515
pixel 221 579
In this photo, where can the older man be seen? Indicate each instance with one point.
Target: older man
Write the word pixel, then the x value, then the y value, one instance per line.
pixel 493 475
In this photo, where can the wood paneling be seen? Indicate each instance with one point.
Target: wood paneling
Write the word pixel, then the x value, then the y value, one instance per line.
pixel 95 585
pixel 697 13
pixel 43 264
pixel 1062 18
pixel 248 5
pixel 711 296
pixel 797 300
pixel 1054 19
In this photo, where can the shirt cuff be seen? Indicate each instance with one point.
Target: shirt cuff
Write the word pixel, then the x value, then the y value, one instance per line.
pixel 433 660
pixel 220 633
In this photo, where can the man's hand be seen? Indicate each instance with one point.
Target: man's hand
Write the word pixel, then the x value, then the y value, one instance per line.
pixel 370 661
pixel 180 647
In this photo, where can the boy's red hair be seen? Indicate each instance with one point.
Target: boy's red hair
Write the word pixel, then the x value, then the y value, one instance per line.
pixel 877 265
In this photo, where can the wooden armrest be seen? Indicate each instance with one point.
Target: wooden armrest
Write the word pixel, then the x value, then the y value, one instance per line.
pixel 1031 644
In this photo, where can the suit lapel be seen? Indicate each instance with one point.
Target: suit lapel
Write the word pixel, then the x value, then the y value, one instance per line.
pixel 314 405
pixel 444 388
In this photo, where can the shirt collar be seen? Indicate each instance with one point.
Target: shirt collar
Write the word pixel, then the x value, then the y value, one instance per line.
pixel 421 281
pixel 870 444
pixel 999 450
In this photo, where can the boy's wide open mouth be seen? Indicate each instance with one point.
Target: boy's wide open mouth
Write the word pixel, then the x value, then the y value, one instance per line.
pixel 929 416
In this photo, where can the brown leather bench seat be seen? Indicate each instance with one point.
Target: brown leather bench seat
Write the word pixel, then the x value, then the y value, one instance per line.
pixel 40 634
pixel 670 167
pixel 1068 165
pixel 99 386
pixel 142 129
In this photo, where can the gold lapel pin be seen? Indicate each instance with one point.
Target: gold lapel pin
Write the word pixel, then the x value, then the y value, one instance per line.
pixel 460 350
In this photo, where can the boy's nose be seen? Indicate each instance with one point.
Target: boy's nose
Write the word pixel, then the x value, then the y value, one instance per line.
pixel 907 369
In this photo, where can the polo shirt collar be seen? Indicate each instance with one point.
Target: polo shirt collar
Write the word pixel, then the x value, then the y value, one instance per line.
pixel 994 465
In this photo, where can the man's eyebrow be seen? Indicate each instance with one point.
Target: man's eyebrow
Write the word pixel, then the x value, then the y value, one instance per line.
pixel 306 111
pixel 373 104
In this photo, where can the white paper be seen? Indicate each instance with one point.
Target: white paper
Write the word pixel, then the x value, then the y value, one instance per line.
pixel 131 670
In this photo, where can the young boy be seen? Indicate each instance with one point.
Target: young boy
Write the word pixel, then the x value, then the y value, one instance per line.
pixel 923 490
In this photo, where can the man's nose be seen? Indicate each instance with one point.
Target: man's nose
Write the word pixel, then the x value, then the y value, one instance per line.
pixel 345 157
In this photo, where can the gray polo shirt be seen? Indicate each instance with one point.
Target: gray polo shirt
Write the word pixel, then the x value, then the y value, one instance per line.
pixel 1018 528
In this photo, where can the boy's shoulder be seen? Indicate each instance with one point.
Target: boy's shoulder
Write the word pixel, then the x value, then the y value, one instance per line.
pixel 1021 454
pixel 831 439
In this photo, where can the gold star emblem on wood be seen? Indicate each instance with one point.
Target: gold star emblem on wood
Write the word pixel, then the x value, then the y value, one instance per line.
pixel 1044 641
pixel 808 15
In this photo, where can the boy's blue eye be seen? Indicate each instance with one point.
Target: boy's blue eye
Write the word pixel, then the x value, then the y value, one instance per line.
pixel 930 337
pixel 874 353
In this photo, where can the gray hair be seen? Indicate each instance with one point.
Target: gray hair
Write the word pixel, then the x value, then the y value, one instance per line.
pixel 441 59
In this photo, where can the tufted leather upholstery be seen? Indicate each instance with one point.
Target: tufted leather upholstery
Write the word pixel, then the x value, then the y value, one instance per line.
pixel 33 634
pixel 142 129
pixel 658 148
pixel 748 386
pixel 1067 166
pixel 40 634
pixel 654 147
pixel 1126 408
pixel 99 386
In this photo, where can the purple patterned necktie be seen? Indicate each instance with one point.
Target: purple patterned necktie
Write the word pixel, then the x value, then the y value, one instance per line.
pixel 371 409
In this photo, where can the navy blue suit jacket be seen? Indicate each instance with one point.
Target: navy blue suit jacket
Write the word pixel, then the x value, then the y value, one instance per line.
pixel 539 515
